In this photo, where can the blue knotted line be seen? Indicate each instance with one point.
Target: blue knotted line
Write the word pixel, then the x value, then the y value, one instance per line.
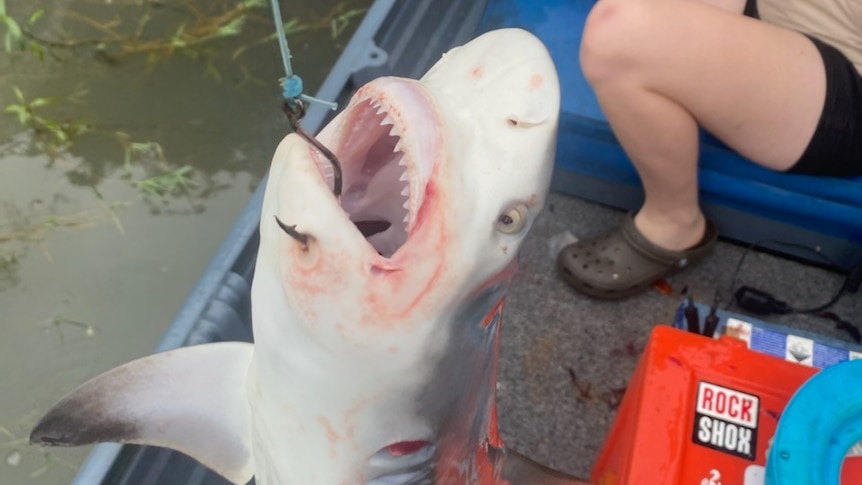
pixel 291 85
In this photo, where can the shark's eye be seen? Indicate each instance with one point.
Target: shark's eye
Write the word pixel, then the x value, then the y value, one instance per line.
pixel 513 219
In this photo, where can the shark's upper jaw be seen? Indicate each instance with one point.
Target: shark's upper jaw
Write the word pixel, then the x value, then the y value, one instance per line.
pixel 387 143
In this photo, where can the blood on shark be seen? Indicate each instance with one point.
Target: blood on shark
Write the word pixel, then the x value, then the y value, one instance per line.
pixel 376 335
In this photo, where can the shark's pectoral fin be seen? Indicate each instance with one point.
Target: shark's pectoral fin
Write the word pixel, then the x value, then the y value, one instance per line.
pixel 191 399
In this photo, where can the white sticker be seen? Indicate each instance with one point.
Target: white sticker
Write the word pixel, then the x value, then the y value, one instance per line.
pixel 739 329
pixel 754 475
pixel 855 355
pixel 855 450
pixel 726 420
pixel 800 350
pixel 727 404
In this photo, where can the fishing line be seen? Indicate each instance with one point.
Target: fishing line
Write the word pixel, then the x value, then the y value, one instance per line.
pixel 295 100
pixel 291 85
pixel 294 108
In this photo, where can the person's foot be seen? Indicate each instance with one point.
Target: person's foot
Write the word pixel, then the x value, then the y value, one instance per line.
pixel 624 262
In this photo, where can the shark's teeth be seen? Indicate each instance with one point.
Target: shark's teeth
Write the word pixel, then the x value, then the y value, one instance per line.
pixel 398 149
pixel 404 177
pixel 395 131
pixel 387 120
pixel 406 193
pixel 327 170
pixel 406 220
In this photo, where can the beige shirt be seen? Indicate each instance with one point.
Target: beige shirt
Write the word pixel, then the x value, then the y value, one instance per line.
pixel 836 22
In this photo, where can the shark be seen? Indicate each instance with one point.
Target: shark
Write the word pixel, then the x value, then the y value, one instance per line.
pixel 376 307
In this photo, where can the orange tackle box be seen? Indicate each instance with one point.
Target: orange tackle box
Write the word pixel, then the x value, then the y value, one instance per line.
pixel 701 411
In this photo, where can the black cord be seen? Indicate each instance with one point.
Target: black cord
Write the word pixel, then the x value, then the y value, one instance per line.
pixel 763 303
pixel 781 307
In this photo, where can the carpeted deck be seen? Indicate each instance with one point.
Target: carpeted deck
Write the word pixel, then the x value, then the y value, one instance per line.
pixel 552 334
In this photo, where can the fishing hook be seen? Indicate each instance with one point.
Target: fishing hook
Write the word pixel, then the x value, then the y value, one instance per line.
pixel 292 232
pixel 295 111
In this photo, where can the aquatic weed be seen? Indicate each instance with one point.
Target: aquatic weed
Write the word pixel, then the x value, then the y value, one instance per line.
pixel 157 31
pixel 166 183
pixel 59 321
pixel 190 37
pixel 15 36
pixel 56 134
pixel 138 151
pixel 339 24
pixel 24 227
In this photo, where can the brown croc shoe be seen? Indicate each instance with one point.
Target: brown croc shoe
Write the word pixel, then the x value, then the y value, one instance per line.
pixel 623 262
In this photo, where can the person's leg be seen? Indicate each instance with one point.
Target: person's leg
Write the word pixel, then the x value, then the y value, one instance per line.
pixel 660 68
pixel 733 6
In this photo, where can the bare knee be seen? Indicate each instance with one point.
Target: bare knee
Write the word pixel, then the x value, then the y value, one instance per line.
pixel 614 34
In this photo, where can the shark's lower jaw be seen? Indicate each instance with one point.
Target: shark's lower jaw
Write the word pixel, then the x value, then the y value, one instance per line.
pixel 386 164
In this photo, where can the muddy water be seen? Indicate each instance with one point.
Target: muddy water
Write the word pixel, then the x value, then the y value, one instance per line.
pixel 97 253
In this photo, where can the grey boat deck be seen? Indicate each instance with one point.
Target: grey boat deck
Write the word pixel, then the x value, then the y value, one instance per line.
pixel 549 329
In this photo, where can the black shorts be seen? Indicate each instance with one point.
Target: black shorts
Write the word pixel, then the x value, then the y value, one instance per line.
pixel 836 147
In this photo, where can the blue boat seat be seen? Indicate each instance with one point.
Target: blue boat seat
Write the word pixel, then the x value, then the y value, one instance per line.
pixel 747 202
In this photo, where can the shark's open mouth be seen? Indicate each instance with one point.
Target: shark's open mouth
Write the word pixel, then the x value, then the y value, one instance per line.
pixel 377 195
pixel 385 161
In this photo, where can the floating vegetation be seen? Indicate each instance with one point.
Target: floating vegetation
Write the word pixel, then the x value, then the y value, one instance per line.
pixel 55 135
pixel 134 151
pixel 195 33
pixel 20 225
pixel 339 23
pixel 110 38
pixel 92 151
pixel 59 322
pixel 22 228
pixel 14 35
pixel 167 183
pixel 154 30
pixel 35 231
pixel 58 136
